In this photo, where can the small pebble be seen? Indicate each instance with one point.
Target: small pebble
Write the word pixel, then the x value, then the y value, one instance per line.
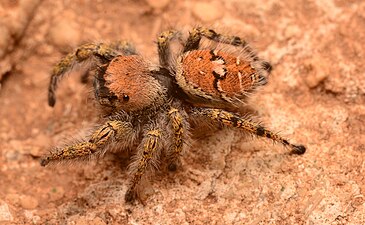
pixel 158 4
pixel 207 12
pixel 56 193
pixel 12 155
pixel 314 79
pixel 317 72
pixel 28 202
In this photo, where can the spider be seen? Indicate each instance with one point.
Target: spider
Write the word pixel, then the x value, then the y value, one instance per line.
pixel 153 106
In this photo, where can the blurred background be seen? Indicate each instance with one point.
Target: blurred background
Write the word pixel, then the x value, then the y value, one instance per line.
pixel 315 96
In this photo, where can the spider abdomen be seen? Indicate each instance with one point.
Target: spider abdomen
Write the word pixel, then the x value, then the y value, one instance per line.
pixel 216 75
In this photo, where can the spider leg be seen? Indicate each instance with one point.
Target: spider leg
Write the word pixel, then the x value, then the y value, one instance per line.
pixel 104 53
pixel 233 120
pixel 179 128
pixel 147 155
pixel 163 46
pixel 196 35
pixel 112 130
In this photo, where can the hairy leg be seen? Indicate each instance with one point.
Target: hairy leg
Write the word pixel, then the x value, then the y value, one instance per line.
pixel 146 158
pixel 233 120
pixel 112 130
pixel 103 52
pixel 196 35
pixel 179 128
pixel 163 46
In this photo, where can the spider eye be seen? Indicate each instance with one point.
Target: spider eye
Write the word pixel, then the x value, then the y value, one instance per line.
pixel 125 98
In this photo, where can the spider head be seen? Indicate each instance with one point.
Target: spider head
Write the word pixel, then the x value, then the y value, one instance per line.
pixel 128 85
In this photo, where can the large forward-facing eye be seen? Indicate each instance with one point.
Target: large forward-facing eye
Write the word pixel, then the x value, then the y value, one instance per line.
pixel 125 98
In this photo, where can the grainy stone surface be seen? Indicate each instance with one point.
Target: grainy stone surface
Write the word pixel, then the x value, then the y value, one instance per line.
pixel 15 18
pixel 64 32
pixel 315 96
pixel 5 214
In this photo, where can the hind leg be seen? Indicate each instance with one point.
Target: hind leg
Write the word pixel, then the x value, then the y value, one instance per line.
pixel 163 46
pixel 233 120
pixel 196 35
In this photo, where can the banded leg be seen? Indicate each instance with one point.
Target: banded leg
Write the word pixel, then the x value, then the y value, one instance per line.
pixel 104 52
pixel 146 158
pixel 196 35
pixel 179 130
pixel 111 131
pixel 231 119
pixel 163 45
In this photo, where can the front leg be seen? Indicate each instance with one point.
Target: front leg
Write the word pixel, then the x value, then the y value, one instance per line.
pixel 180 136
pixel 112 130
pixel 146 158
pixel 233 120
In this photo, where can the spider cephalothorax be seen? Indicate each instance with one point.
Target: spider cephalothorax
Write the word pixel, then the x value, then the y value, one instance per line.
pixel 130 83
pixel 152 106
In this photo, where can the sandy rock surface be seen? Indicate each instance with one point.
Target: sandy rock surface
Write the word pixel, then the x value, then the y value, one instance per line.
pixel 315 96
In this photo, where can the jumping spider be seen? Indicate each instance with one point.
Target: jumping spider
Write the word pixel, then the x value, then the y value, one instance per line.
pixel 153 107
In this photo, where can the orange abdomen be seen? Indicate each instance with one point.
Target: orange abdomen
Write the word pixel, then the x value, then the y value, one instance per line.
pixel 215 75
